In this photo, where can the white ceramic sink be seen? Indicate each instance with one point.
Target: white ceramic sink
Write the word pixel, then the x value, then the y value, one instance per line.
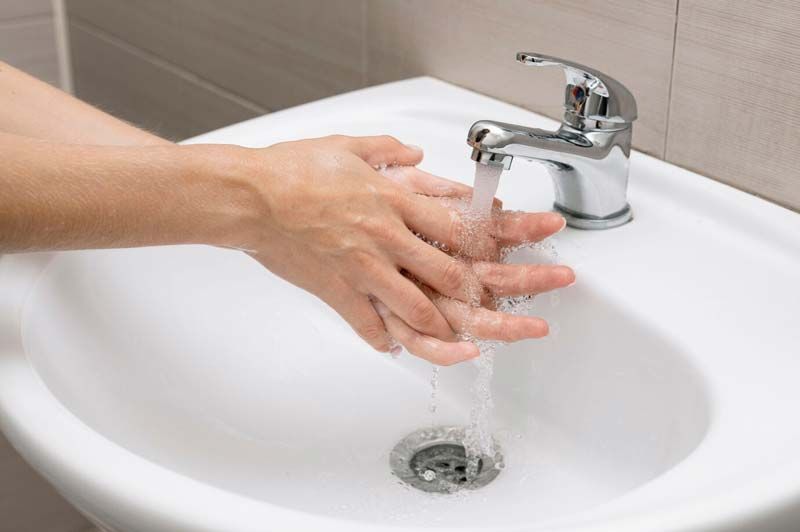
pixel 187 389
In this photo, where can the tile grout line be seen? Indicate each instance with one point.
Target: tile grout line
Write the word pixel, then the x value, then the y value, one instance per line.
pixel 364 43
pixel 671 77
pixel 169 66
pixel 27 20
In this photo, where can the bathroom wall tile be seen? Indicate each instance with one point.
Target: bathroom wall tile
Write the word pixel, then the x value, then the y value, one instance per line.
pixel 472 43
pixel 276 53
pixel 735 109
pixel 28 503
pixel 30 45
pixel 147 91
pixel 10 9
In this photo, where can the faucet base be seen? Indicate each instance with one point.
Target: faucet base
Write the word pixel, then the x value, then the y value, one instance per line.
pixel 607 222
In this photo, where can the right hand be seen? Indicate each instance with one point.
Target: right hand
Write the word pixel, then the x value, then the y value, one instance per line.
pixel 321 217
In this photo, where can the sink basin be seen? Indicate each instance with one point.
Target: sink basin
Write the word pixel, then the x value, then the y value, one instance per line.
pixel 186 388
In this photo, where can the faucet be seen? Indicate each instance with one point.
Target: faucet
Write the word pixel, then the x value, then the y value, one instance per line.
pixel 587 157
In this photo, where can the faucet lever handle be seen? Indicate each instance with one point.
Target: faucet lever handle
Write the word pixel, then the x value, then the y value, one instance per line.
pixel 589 94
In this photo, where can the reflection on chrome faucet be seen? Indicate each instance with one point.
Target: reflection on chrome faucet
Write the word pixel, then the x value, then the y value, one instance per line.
pixel 588 156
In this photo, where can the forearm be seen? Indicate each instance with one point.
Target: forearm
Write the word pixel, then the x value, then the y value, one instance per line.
pixel 32 108
pixel 59 196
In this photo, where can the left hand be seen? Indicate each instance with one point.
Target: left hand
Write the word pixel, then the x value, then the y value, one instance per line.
pixel 493 279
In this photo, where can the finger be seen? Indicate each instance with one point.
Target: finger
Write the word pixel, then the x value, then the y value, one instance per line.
pixel 445 274
pixel 421 182
pixel 487 324
pixel 426 347
pixel 461 232
pixel 456 279
pixel 522 279
pixel 357 310
pixel 512 228
pixel 405 299
pixel 385 150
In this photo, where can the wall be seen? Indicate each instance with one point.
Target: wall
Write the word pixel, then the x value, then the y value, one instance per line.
pixel 29 40
pixel 715 79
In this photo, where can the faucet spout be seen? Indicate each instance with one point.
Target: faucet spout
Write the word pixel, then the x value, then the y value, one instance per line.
pixel 587 156
pixel 589 168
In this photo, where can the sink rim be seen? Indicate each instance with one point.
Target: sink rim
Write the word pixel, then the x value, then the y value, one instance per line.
pixel 28 410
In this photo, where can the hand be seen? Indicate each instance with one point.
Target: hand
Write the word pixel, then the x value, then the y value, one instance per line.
pixel 489 278
pixel 325 220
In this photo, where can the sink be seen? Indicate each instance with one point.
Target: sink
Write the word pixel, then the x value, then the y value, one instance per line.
pixel 186 388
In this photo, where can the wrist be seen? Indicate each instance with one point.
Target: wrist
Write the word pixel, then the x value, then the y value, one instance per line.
pixel 229 208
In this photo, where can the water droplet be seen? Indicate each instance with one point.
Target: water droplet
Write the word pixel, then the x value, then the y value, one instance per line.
pixel 555 299
pixel 434 389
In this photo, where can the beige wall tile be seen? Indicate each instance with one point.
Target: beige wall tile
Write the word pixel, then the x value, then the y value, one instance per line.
pixel 735 108
pixel 30 45
pixel 10 9
pixel 276 53
pixel 28 503
pixel 472 43
pixel 124 82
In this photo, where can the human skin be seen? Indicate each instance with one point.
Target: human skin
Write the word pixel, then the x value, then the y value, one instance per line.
pixel 315 212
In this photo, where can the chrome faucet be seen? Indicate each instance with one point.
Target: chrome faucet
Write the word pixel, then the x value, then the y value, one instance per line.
pixel 588 156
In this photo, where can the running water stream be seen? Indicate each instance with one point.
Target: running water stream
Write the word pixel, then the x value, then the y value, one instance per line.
pixel 477 216
pixel 478 441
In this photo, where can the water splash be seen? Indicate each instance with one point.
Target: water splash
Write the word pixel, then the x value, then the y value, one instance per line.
pixel 478 438
pixel 434 390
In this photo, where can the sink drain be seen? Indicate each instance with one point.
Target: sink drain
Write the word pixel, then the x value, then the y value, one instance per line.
pixel 434 460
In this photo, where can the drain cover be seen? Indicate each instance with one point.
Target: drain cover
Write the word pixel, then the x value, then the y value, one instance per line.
pixel 434 460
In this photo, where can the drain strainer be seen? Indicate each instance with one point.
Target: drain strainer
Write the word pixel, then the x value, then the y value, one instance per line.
pixel 434 460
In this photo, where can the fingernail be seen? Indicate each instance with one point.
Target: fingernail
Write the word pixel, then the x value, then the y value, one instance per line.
pixel 475 351
pixel 566 272
pixel 546 329
pixel 396 350
pixel 563 224
pixel 414 147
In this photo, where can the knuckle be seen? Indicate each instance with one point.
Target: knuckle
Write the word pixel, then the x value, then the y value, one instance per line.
pixel 388 139
pixel 342 141
pixel 422 312
pixel 381 232
pixel 363 260
pixel 453 276
pixel 393 196
pixel 373 332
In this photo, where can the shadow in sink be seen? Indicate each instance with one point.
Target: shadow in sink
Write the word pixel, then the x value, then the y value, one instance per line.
pixel 197 359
